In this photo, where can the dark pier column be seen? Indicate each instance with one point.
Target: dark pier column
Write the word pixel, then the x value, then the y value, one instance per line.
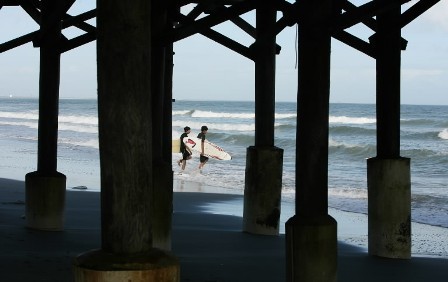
pixel 311 234
pixel 125 105
pixel 388 175
pixel 45 188
pixel 162 209
pixel 264 161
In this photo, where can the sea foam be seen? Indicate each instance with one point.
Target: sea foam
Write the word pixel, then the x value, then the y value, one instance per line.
pixel 444 134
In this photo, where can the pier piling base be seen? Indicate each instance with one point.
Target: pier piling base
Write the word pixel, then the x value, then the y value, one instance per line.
pixel 263 189
pixel 45 201
pixel 311 248
pixel 99 266
pixel 389 211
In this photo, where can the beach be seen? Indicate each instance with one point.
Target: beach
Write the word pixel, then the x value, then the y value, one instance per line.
pixel 206 238
pixel 207 232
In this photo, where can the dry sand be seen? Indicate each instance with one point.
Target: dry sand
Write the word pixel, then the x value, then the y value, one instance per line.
pixel 206 238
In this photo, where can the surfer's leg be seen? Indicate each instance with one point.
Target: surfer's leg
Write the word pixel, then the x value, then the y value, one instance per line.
pixel 185 156
pixel 203 160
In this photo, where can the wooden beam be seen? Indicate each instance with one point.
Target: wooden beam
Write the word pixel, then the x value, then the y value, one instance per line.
pixel 126 151
pixel 369 22
pixel 69 44
pixel 249 29
pixel 78 41
pixel 285 6
pixel 32 9
pixel 349 7
pixel 49 77
pixel 225 41
pixel 18 41
pixel 388 69
pixel 209 21
pixel 54 18
pixel 311 234
pixel 364 12
pixel 79 21
pixel 264 50
pixel 354 42
pixel 245 26
pixel 219 2
pixel 196 12
pixel 229 43
pixel 291 16
pixel 416 10
pixel 9 3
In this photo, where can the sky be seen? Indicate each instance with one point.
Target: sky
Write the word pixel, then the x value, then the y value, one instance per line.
pixel 205 70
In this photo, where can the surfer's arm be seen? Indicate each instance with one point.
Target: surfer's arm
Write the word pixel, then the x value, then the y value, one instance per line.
pixel 202 147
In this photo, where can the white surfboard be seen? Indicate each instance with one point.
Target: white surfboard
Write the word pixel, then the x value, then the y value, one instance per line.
pixel 210 150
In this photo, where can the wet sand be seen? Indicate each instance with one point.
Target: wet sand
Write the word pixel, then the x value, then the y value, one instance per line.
pixel 207 239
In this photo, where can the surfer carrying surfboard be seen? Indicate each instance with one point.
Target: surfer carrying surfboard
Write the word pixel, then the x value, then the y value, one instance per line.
pixel 186 152
pixel 203 159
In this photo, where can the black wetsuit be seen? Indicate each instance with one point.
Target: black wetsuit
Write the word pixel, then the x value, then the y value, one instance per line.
pixel 183 148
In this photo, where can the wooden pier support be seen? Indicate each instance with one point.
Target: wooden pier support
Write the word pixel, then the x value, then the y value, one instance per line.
pixel 45 201
pixel 264 160
pixel 161 58
pixel 99 266
pixel 262 200
pixel 45 188
pixel 388 173
pixel 311 234
pixel 125 105
pixel 389 211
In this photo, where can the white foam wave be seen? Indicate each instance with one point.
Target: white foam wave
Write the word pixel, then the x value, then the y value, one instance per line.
pixel 334 143
pixel 205 114
pixel 210 114
pixel 285 116
pixel 444 134
pixel 19 115
pixel 28 138
pixel 195 126
pixel 90 120
pixel 61 126
pixel 351 193
pixel 32 125
pixel 180 113
pixel 92 143
pixel 351 120
pixel 78 128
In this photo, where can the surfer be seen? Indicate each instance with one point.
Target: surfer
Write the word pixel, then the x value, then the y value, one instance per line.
pixel 203 159
pixel 186 152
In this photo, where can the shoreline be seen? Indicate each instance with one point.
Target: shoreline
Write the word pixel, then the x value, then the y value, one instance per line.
pixel 352 226
pixel 427 240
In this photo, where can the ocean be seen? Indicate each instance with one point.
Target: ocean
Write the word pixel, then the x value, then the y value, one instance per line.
pixel 424 139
